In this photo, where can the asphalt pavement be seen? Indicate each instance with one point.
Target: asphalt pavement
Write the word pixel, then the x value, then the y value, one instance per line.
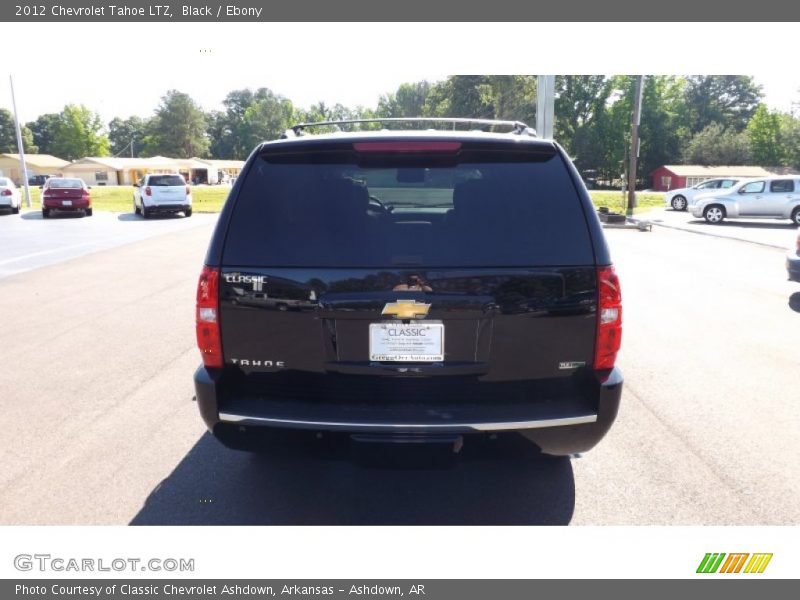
pixel 100 426
pixel 776 233
pixel 31 242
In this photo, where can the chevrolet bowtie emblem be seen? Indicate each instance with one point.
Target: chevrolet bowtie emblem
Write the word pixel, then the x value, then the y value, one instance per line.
pixel 406 309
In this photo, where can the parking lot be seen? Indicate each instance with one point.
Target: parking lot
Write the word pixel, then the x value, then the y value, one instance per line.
pixel 98 353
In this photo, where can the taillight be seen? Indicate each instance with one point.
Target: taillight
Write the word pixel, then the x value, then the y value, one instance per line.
pixel 798 246
pixel 86 195
pixel 5 193
pixel 609 319
pixel 207 318
pixel 148 191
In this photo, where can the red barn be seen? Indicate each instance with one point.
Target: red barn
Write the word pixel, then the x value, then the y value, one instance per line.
pixel 672 177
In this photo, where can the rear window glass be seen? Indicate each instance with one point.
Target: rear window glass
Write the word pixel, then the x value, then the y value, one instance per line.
pixel 4 182
pixel 166 180
pixel 321 212
pixel 782 185
pixel 65 183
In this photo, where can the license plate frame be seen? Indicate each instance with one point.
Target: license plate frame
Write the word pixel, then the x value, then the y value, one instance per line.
pixel 385 346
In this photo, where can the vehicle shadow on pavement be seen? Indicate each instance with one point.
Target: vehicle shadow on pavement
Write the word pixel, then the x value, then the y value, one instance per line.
pixel 160 217
pixel 739 224
pixel 36 215
pixel 506 482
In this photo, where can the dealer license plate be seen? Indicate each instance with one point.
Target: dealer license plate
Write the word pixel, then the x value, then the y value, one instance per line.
pixel 401 342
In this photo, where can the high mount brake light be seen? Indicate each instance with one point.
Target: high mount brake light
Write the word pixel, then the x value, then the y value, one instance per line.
pixel 609 319
pixel 405 147
pixel 209 340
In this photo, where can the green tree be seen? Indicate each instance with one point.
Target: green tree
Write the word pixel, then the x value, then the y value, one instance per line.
pixel 790 139
pixel 661 133
pixel 764 133
pixel 730 100
pixel 461 96
pixel 716 145
pixel 578 101
pixel 126 136
pixel 249 118
pixel 178 128
pixel 408 101
pixel 266 119
pixel 8 135
pixel 43 128
pixel 78 133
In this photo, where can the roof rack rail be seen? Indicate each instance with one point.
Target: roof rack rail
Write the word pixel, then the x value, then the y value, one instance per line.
pixel 517 127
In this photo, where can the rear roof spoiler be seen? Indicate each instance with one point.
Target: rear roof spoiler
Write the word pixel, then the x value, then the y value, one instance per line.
pixel 516 127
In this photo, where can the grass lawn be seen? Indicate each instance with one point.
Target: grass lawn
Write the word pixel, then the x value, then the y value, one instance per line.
pixel 616 202
pixel 209 199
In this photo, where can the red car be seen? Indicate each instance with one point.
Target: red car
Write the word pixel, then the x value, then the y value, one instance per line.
pixel 67 194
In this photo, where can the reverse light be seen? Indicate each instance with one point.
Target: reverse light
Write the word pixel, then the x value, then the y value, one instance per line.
pixel 209 341
pixel 609 320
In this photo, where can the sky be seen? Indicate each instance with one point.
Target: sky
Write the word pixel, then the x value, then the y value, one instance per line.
pixel 115 71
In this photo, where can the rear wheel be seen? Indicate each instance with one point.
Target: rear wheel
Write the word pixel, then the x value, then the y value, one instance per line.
pixel 145 213
pixel 15 210
pixel 136 208
pixel 714 214
pixel 45 213
pixel 796 216
pixel 679 203
pixel 188 212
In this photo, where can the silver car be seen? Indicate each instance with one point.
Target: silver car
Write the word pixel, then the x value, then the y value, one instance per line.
pixel 762 198
pixel 682 198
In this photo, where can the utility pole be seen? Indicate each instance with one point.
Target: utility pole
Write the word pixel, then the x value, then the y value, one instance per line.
pixel 633 154
pixel 19 146
pixel 545 105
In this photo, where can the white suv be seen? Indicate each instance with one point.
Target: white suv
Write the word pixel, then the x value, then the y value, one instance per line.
pixel 162 193
pixel 768 197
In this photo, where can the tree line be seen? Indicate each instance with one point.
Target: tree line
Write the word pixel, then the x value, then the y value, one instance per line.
pixel 707 120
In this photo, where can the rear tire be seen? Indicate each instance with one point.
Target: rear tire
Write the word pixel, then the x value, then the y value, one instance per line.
pixel 796 216
pixel 145 213
pixel 15 210
pixel 679 203
pixel 188 212
pixel 714 214
pixel 45 213
pixel 88 212
pixel 136 208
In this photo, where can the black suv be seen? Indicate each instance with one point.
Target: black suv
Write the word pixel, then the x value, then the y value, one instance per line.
pixel 410 286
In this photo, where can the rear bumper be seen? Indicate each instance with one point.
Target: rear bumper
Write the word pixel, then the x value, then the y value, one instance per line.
pixel 558 427
pixel 793 266
pixel 167 208
pixel 58 205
